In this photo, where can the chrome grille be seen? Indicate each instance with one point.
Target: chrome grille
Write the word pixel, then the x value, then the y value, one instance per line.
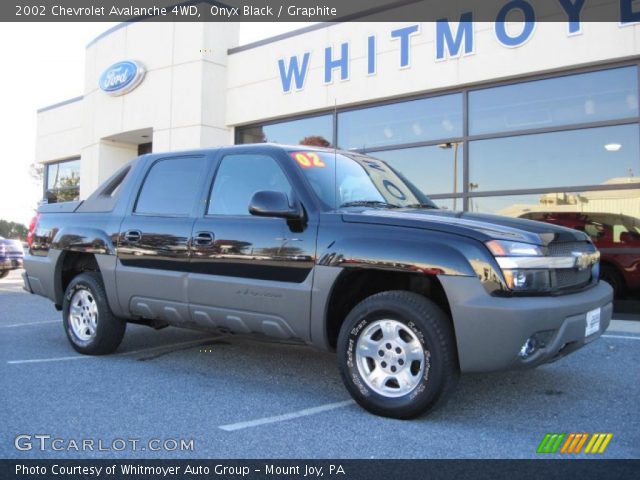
pixel 570 277
pixel 565 249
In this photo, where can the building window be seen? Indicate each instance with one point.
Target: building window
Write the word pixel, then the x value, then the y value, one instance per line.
pixel 415 121
pixel 564 132
pixel 316 131
pixel 590 156
pixel 571 99
pixel 432 169
pixel 62 181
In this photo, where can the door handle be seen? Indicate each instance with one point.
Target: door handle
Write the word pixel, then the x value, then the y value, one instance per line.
pixel 203 239
pixel 133 236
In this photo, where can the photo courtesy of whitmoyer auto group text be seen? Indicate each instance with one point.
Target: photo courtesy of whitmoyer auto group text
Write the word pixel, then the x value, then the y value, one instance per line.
pixel 338 239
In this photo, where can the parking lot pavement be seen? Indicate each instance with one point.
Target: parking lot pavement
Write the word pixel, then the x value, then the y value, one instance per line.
pixel 243 398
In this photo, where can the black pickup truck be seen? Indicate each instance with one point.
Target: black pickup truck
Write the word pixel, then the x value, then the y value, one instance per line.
pixel 332 248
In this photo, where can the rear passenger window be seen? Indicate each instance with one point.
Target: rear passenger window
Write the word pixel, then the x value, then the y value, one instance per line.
pixel 239 177
pixel 171 186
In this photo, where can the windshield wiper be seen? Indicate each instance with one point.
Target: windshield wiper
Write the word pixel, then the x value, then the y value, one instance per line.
pixel 420 205
pixel 369 203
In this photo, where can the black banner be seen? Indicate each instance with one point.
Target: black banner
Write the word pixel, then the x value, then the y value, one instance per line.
pixel 623 11
pixel 326 469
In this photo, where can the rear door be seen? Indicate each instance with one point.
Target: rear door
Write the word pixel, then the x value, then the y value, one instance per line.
pixel 249 273
pixel 153 242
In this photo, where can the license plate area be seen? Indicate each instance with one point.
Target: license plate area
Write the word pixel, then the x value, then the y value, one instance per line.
pixel 592 324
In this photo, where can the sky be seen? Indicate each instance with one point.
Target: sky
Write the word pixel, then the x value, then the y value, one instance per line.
pixel 42 64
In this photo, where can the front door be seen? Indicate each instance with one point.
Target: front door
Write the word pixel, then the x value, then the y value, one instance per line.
pixel 153 243
pixel 250 274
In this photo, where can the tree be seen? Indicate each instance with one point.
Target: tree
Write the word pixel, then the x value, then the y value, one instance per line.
pixel 67 190
pixel 36 170
pixel 315 141
pixel 13 230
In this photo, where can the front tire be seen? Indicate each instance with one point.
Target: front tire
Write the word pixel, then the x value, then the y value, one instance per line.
pixel 88 322
pixel 397 354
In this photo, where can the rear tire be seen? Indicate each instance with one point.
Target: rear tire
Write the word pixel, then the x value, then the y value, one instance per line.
pixel 397 354
pixel 91 327
pixel 4 273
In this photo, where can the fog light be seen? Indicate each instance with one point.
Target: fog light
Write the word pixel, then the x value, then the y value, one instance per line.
pixel 519 279
pixel 535 342
pixel 529 348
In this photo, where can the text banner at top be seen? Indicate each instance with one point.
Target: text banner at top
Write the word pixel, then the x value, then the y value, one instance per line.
pixel 570 11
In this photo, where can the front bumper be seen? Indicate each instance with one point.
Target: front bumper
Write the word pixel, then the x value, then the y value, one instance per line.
pixel 490 331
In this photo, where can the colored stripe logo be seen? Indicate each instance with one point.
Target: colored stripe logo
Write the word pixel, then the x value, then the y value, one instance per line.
pixel 574 443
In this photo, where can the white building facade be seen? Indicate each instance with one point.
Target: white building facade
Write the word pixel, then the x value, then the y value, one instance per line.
pixel 480 115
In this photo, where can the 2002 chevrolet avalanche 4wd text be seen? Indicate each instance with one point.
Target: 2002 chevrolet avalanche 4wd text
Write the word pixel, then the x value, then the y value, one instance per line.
pixel 335 249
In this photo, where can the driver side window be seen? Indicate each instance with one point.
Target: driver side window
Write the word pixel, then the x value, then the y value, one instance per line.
pixel 239 177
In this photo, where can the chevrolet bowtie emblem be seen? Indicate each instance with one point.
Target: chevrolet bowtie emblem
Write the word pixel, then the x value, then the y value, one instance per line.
pixel 584 260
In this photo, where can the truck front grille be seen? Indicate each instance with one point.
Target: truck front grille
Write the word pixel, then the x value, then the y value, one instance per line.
pixel 570 278
pixel 565 249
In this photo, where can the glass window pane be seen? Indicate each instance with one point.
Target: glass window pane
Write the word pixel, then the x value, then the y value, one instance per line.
pixel 431 169
pixel 316 131
pixel 610 218
pixel 239 177
pixel 578 157
pixel 63 181
pixel 447 203
pixel 63 174
pixel 398 123
pixel 171 186
pixel 52 175
pixel 581 98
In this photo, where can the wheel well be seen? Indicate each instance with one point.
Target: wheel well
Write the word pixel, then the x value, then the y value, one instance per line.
pixel 352 287
pixel 72 264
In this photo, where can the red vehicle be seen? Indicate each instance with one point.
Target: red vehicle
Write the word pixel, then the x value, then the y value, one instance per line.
pixel 616 236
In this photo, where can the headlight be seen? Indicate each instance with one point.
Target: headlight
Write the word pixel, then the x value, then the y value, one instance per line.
pixel 524 266
pixel 528 268
pixel 501 248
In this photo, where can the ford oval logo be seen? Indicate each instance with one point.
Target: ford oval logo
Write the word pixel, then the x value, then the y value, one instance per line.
pixel 121 77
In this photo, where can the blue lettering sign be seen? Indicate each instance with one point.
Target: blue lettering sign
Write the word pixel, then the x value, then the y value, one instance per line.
pixel 371 55
pixel 529 23
pixel 403 34
pixel 293 71
pixel 627 13
pixel 573 8
pixel 342 63
pixel 444 35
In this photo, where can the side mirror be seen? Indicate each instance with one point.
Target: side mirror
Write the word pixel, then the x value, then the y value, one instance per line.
pixel 267 203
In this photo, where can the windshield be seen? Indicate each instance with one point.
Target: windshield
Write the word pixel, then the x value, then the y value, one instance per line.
pixel 357 180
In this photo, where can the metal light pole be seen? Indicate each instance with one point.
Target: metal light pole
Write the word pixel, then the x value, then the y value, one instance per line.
pixel 455 146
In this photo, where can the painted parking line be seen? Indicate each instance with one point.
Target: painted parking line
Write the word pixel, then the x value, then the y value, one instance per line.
pixel 27 324
pixel 232 427
pixel 628 337
pixel 133 352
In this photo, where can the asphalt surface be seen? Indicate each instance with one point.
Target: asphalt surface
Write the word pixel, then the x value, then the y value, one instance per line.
pixel 242 398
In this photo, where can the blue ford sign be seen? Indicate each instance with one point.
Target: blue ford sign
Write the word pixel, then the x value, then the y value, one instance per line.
pixel 121 77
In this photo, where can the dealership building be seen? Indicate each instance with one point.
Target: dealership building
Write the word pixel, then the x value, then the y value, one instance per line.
pixel 490 117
